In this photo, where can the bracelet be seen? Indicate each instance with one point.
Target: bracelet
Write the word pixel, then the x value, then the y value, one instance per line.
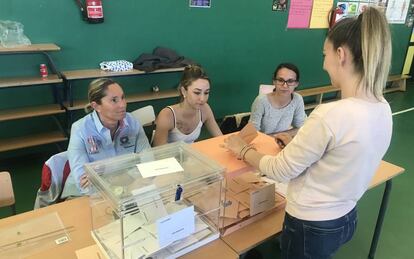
pixel 239 157
pixel 246 150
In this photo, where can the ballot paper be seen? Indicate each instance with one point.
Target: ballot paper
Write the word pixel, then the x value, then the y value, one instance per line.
pixel 176 226
pixel 262 199
pixel 150 203
pixel 159 167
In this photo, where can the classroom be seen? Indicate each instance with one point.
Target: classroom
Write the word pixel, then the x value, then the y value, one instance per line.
pixel 234 47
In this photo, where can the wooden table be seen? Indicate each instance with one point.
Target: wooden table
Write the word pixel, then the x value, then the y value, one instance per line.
pixel 77 213
pixel 254 234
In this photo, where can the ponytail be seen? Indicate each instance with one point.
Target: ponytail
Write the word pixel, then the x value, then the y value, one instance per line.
pixel 97 91
pixel 369 40
pixel 376 50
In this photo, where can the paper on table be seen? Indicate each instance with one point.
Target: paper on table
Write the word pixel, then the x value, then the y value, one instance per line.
pixel 236 187
pixel 159 167
pixel 249 177
pixel 243 198
pixel 89 252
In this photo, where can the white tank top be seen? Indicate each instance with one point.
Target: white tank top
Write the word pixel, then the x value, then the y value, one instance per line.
pixel 175 134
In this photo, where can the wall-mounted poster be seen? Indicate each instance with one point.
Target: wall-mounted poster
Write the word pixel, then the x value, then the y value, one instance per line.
pixel 200 3
pixel 397 10
pixel 279 5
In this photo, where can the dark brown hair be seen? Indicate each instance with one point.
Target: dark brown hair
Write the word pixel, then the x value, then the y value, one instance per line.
pixel 191 73
pixel 289 66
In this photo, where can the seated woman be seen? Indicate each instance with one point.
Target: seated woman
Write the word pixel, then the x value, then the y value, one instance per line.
pixel 283 108
pixel 183 121
pixel 107 131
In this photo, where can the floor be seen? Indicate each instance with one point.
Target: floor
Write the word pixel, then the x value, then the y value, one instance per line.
pixel 397 234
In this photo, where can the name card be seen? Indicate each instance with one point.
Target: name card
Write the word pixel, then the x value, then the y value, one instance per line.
pixel 175 226
pixel 159 167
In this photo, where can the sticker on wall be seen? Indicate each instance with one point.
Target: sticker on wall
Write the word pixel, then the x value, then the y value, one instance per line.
pixel 200 3
pixel 279 5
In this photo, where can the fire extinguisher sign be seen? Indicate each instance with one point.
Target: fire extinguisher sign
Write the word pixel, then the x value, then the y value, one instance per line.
pixel 95 12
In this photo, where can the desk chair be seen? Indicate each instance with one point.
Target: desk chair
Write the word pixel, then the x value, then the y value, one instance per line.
pixel 146 117
pixel 6 192
pixel 55 171
pixel 234 122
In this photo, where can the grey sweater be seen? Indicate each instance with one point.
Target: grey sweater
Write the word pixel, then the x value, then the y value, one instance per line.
pixel 268 119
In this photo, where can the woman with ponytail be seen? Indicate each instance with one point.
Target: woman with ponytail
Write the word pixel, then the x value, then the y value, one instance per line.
pixel 106 131
pixel 183 121
pixel 332 159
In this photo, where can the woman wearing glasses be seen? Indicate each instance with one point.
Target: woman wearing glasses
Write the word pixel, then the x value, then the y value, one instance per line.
pixel 283 108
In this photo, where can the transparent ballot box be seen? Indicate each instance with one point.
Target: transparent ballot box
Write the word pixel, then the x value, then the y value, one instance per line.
pixel 154 204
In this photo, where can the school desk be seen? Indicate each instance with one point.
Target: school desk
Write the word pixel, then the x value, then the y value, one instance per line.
pixel 76 213
pixel 254 234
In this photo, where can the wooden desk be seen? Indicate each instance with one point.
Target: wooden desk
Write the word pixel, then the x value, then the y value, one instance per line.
pixel 256 233
pixel 77 213
pixel 72 213
pixel 212 148
pixel 252 235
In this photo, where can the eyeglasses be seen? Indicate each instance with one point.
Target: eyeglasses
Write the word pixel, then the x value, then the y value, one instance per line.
pixel 289 82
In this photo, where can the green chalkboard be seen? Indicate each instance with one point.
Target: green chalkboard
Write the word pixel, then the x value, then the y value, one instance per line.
pixel 238 42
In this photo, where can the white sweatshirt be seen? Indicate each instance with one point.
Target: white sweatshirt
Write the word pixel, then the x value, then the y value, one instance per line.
pixel 333 158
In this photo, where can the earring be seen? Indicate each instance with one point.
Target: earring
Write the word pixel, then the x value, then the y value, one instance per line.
pixel 184 96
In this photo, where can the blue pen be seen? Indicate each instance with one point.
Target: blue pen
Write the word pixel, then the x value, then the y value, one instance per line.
pixel 178 193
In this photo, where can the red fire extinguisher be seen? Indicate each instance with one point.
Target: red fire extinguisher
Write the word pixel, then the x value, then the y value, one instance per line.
pixel 92 10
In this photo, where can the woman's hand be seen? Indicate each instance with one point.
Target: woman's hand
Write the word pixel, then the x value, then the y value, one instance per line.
pixel 235 144
pixel 282 139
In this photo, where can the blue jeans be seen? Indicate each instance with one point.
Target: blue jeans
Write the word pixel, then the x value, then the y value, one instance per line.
pixel 316 239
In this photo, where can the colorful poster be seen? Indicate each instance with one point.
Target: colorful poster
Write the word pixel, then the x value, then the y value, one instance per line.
pixel 279 5
pixel 320 12
pixel 200 3
pixel 408 60
pixel 397 10
pixel 299 13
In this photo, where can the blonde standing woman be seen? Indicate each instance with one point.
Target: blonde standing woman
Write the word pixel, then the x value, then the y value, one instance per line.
pixel 332 159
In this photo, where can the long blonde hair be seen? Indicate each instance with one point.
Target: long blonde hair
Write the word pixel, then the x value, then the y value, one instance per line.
pixel 369 39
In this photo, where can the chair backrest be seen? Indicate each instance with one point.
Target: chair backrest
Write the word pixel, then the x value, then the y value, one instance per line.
pixel 55 171
pixel 6 190
pixel 145 115
pixel 266 89
pixel 234 122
